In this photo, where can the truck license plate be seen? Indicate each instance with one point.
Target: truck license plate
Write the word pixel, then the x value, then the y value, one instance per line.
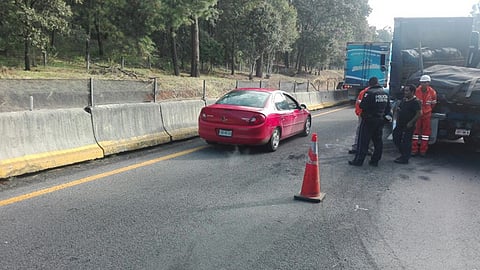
pixel 462 132
pixel 224 133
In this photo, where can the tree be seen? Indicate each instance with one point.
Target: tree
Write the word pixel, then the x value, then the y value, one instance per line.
pixel 287 32
pixel 198 9
pixel 119 26
pixel 325 26
pixel 231 27
pixel 384 34
pixel 178 13
pixel 267 27
pixel 32 22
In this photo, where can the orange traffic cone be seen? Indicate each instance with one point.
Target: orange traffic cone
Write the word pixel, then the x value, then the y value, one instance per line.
pixel 311 179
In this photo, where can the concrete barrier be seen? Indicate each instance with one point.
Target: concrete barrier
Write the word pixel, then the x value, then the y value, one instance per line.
pixel 210 101
pixel 31 141
pixel 313 100
pixel 180 118
pixel 303 97
pixel 23 95
pixel 316 100
pixel 124 127
pixel 35 141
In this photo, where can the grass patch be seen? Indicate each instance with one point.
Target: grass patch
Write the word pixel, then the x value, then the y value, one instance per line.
pixel 216 82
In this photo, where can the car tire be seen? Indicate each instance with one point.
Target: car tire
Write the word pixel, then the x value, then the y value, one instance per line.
pixel 307 127
pixel 274 141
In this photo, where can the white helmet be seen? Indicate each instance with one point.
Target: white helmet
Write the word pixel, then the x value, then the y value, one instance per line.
pixel 425 78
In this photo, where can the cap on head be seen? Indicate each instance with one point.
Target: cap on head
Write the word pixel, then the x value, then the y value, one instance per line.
pixel 425 78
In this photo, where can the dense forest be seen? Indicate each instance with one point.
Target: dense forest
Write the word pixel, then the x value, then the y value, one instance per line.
pixel 195 35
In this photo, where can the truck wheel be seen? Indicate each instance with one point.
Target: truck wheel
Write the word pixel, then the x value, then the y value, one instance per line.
pixel 472 143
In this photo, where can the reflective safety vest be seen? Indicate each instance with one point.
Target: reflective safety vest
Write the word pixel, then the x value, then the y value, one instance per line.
pixel 358 110
pixel 427 98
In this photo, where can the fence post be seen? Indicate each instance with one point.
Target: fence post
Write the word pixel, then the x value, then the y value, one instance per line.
pixel 91 92
pixel 155 89
pixel 123 62
pixel 236 84
pixel 31 103
pixel 294 86
pixel 308 85
pixel 204 94
pixel 260 83
pixel 87 64
pixel 44 55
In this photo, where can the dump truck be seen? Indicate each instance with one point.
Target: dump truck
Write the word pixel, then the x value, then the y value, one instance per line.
pixel 446 49
pixel 364 60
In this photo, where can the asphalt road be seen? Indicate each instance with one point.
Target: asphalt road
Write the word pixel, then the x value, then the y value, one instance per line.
pixel 188 205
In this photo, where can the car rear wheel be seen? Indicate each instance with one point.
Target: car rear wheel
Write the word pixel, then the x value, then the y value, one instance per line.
pixel 274 141
pixel 307 127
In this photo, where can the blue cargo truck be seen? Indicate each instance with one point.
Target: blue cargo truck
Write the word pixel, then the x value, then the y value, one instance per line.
pixel 363 61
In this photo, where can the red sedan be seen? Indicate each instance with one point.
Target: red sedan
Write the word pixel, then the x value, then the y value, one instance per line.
pixel 254 116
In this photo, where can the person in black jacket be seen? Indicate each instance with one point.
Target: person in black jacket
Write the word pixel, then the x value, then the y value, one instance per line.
pixel 408 112
pixel 376 109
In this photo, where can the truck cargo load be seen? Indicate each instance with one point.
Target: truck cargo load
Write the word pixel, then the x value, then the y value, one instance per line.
pixel 419 43
pixel 455 86
pixel 457 113
pixel 446 49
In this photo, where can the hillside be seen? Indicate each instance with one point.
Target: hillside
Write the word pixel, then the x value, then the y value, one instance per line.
pixel 182 86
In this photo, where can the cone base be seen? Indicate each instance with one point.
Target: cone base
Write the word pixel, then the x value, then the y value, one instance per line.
pixel 317 199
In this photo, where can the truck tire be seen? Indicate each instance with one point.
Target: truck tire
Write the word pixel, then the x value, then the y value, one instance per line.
pixel 472 143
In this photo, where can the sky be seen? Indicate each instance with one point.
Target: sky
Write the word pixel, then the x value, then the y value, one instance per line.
pixel 383 11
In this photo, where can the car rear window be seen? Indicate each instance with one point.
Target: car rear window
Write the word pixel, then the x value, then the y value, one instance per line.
pixel 245 98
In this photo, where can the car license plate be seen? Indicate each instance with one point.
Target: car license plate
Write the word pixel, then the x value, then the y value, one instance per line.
pixel 462 132
pixel 224 133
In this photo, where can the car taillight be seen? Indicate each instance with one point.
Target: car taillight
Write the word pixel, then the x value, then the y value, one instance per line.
pixel 204 115
pixel 256 119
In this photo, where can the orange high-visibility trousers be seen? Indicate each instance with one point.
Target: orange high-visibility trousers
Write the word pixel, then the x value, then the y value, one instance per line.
pixel 421 135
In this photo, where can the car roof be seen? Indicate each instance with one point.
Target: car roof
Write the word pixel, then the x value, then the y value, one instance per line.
pixel 257 89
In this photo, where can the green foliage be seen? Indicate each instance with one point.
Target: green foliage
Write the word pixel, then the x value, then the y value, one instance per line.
pixel 325 26
pixel 210 49
pixel 31 22
pixel 314 32
pixel 384 34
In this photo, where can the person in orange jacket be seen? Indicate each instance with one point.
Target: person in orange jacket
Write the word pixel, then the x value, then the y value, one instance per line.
pixel 358 112
pixel 428 97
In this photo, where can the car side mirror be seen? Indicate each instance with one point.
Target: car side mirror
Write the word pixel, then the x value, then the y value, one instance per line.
pixel 303 106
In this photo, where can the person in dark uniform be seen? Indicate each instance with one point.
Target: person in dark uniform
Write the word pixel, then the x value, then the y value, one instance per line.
pixel 375 107
pixel 408 112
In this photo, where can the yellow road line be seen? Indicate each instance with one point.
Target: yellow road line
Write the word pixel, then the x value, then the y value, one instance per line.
pixel 332 111
pixel 96 177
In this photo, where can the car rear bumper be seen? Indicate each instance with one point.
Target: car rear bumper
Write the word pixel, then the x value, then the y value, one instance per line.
pixel 248 135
